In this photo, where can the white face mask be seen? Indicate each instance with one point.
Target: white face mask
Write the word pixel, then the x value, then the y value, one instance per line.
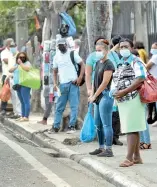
pixel 153 51
pixel 125 53
pixel 99 55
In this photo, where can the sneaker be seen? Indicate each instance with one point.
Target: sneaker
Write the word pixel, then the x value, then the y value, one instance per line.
pixel 3 112
pixel 106 153
pixel 15 117
pixel 53 130
pixel 117 142
pixel 96 152
pixel 71 130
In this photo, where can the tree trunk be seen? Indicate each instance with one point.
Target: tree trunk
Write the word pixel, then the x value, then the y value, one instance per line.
pixel 98 20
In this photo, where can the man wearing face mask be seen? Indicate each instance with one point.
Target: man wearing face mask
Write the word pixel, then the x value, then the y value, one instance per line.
pixel 69 84
pixel 152 67
pixel 14 98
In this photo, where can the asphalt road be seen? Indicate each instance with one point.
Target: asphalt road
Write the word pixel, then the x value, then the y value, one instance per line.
pixel 25 165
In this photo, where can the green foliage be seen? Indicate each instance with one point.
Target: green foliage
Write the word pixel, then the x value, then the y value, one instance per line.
pixel 116 7
pixel 7 14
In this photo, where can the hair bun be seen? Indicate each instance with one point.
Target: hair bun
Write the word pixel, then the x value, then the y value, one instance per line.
pixel 106 42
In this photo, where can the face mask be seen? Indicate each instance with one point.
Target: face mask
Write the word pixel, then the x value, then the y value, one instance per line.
pixel 13 50
pixel 153 51
pixel 125 53
pixel 23 59
pixel 99 55
pixel 62 48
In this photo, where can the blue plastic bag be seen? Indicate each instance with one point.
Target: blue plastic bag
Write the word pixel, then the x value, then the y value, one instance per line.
pixel 88 131
pixel 70 22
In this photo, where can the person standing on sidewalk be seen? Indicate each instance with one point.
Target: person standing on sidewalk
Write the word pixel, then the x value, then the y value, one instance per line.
pixel 104 102
pixel 4 58
pixel 127 78
pixel 91 61
pixel 14 98
pixel 69 84
pixel 152 68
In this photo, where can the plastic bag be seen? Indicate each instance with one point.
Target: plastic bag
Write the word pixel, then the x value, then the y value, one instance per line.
pixel 88 131
pixel 5 93
pixel 30 79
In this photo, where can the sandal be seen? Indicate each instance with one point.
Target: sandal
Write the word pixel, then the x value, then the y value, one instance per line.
pixel 138 161
pixel 145 146
pixel 126 163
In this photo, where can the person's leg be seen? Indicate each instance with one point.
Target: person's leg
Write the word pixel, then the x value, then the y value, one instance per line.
pixel 137 157
pixel 61 104
pixel 150 113
pixel 25 92
pixel 21 101
pixel 132 141
pixel 116 128
pixel 3 104
pixel 48 108
pixel 145 138
pixel 100 131
pixel 105 108
pixel 73 97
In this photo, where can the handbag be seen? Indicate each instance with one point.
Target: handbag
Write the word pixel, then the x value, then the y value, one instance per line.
pixel 30 79
pixel 88 131
pixel 148 90
pixel 5 93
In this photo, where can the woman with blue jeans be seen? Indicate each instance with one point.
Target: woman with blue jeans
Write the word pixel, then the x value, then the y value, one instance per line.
pixel 22 91
pixel 103 102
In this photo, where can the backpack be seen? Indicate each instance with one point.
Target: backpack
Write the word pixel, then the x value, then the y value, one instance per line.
pixel 77 67
pixel 123 78
pixel 68 27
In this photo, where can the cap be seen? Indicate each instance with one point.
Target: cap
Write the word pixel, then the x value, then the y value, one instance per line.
pixel 61 41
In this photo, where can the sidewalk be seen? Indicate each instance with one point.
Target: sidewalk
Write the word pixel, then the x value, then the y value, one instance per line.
pixel 135 176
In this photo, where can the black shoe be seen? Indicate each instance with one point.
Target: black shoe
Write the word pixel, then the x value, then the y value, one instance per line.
pixel 96 152
pixel 53 130
pixel 106 153
pixel 15 117
pixel 150 121
pixel 117 142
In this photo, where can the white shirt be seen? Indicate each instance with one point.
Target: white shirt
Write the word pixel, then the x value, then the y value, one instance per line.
pixel 66 69
pixel 153 69
pixel 5 54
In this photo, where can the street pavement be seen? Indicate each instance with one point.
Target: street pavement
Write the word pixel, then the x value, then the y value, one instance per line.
pixel 108 168
pixel 24 164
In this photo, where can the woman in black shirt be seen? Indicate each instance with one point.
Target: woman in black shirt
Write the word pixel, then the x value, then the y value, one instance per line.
pixel 103 101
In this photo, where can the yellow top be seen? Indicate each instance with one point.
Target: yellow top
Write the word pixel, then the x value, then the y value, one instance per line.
pixel 143 55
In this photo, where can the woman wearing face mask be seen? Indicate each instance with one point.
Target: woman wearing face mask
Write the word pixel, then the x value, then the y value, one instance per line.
pixel 127 78
pixel 152 68
pixel 22 91
pixel 104 103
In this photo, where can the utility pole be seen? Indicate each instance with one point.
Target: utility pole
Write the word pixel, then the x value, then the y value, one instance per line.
pixel 21 26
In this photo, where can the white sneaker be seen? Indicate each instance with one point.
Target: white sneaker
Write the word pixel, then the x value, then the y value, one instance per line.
pixel 71 130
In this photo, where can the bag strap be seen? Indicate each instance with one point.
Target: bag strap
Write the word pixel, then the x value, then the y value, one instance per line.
pixel 72 59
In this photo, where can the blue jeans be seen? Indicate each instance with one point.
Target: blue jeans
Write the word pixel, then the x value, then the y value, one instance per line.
pixel 24 97
pixel 103 120
pixel 145 135
pixel 69 92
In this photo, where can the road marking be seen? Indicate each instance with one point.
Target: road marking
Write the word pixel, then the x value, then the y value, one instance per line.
pixel 53 178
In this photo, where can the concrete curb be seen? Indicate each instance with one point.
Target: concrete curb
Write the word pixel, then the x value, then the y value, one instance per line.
pixel 112 176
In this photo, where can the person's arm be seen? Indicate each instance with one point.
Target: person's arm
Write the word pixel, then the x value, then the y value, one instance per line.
pixel 88 77
pixel 55 74
pixel 131 88
pixel 11 70
pixel 115 48
pixel 24 67
pixel 106 79
pixel 149 65
pixel 5 60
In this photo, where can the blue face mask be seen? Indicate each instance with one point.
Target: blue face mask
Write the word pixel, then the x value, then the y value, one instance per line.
pixel 125 53
pixel 99 55
pixel 13 50
pixel 153 51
